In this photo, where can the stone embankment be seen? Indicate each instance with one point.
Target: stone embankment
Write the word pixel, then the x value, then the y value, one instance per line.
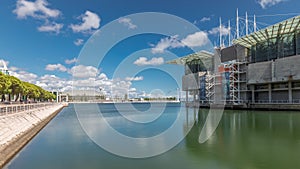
pixel 19 126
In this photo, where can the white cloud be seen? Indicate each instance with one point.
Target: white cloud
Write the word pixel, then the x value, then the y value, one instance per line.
pixel 132 89
pixel 143 61
pixel 192 40
pixel 53 27
pixel 90 21
pixel 204 19
pixel 21 74
pixel 103 76
pixel 70 61
pixel 78 42
pixel 127 22
pixel 88 82
pixel 37 9
pixel 267 3
pixel 216 30
pixel 137 78
pixel 25 76
pixel 165 43
pixel 82 71
pixel 196 39
pixel 53 67
pixel 52 82
pixel 13 68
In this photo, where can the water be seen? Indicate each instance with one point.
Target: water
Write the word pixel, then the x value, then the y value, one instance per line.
pixel 243 140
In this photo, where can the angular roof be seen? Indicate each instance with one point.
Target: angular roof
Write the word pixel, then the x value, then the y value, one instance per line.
pixel 287 26
pixel 202 55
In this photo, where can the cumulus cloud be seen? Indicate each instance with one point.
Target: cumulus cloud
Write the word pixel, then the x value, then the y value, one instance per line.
pixel 81 71
pixel 103 76
pixel 21 74
pixel 216 30
pixel 137 78
pixel 25 76
pixel 53 67
pixel 90 22
pixel 37 9
pixel 127 22
pixel 204 19
pixel 88 80
pixel 267 3
pixel 70 61
pixel 52 82
pixel 52 27
pixel 196 39
pixel 165 43
pixel 143 61
pixel 78 42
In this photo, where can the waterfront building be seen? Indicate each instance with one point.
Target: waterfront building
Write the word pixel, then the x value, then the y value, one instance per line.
pixel 82 96
pixel 3 68
pixel 259 70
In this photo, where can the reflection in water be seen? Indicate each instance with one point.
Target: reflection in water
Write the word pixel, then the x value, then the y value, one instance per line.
pixel 249 139
pixel 243 139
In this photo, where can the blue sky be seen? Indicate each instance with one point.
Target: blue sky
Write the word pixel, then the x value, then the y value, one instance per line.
pixel 41 38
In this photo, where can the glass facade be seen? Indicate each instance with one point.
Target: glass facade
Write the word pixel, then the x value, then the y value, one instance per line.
pixel 298 43
pixel 194 66
pixel 282 46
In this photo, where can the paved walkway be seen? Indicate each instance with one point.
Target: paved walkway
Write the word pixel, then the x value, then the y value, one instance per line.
pixel 14 125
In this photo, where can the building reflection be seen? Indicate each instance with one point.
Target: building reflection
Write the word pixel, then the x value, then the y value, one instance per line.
pixel 246 138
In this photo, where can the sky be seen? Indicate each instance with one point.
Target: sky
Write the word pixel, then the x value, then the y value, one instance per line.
pixel 42 40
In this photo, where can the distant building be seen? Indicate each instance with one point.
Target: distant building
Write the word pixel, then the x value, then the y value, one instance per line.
pixel 83 95
pixel 3 68
pixel 260 70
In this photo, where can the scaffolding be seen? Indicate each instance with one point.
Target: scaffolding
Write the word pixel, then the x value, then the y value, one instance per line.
pixel 229 76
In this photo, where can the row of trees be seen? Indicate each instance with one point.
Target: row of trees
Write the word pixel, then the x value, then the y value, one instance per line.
pixel 13 87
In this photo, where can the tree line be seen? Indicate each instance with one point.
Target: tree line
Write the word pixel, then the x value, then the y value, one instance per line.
pixel 16 90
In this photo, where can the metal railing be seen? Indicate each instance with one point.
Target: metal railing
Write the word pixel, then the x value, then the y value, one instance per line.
pixel 277 101
pixel 17 108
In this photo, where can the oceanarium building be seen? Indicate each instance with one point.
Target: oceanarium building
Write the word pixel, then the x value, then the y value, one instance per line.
pixel 260 70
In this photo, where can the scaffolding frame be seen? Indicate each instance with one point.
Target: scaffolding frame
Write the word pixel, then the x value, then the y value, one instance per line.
pixel 235 71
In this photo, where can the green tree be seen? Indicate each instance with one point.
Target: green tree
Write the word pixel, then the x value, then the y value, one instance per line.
pixel 5 83
pixel 32 91
pixel 16 87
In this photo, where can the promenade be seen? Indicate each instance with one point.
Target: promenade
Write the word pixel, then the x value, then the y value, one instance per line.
pixel 19 123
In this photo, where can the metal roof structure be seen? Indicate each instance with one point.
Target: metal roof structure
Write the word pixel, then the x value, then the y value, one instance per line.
pixel 204 56
pixel 288 26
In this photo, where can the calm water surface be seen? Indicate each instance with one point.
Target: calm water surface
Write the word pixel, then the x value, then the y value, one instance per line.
pixel 243 140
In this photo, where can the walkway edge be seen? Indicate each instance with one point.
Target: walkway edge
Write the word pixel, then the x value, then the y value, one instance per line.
pixel 18 143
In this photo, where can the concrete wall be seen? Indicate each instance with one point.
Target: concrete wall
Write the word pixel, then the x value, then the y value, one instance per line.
pixel 228 54
pixel 262 96
pixel 280 95
pixel 296 94
pixel 287 67
pixel 241 52
pixel 233 53
pixel 275 71
pixel 259 72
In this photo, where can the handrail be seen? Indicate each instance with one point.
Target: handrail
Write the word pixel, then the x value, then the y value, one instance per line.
pixel 295 101
pixel 17 108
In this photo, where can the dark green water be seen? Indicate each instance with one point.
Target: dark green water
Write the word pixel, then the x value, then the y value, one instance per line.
pixel 243 140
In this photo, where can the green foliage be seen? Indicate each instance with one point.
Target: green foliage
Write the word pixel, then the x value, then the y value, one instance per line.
pixel 5 83
pixel 13 86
